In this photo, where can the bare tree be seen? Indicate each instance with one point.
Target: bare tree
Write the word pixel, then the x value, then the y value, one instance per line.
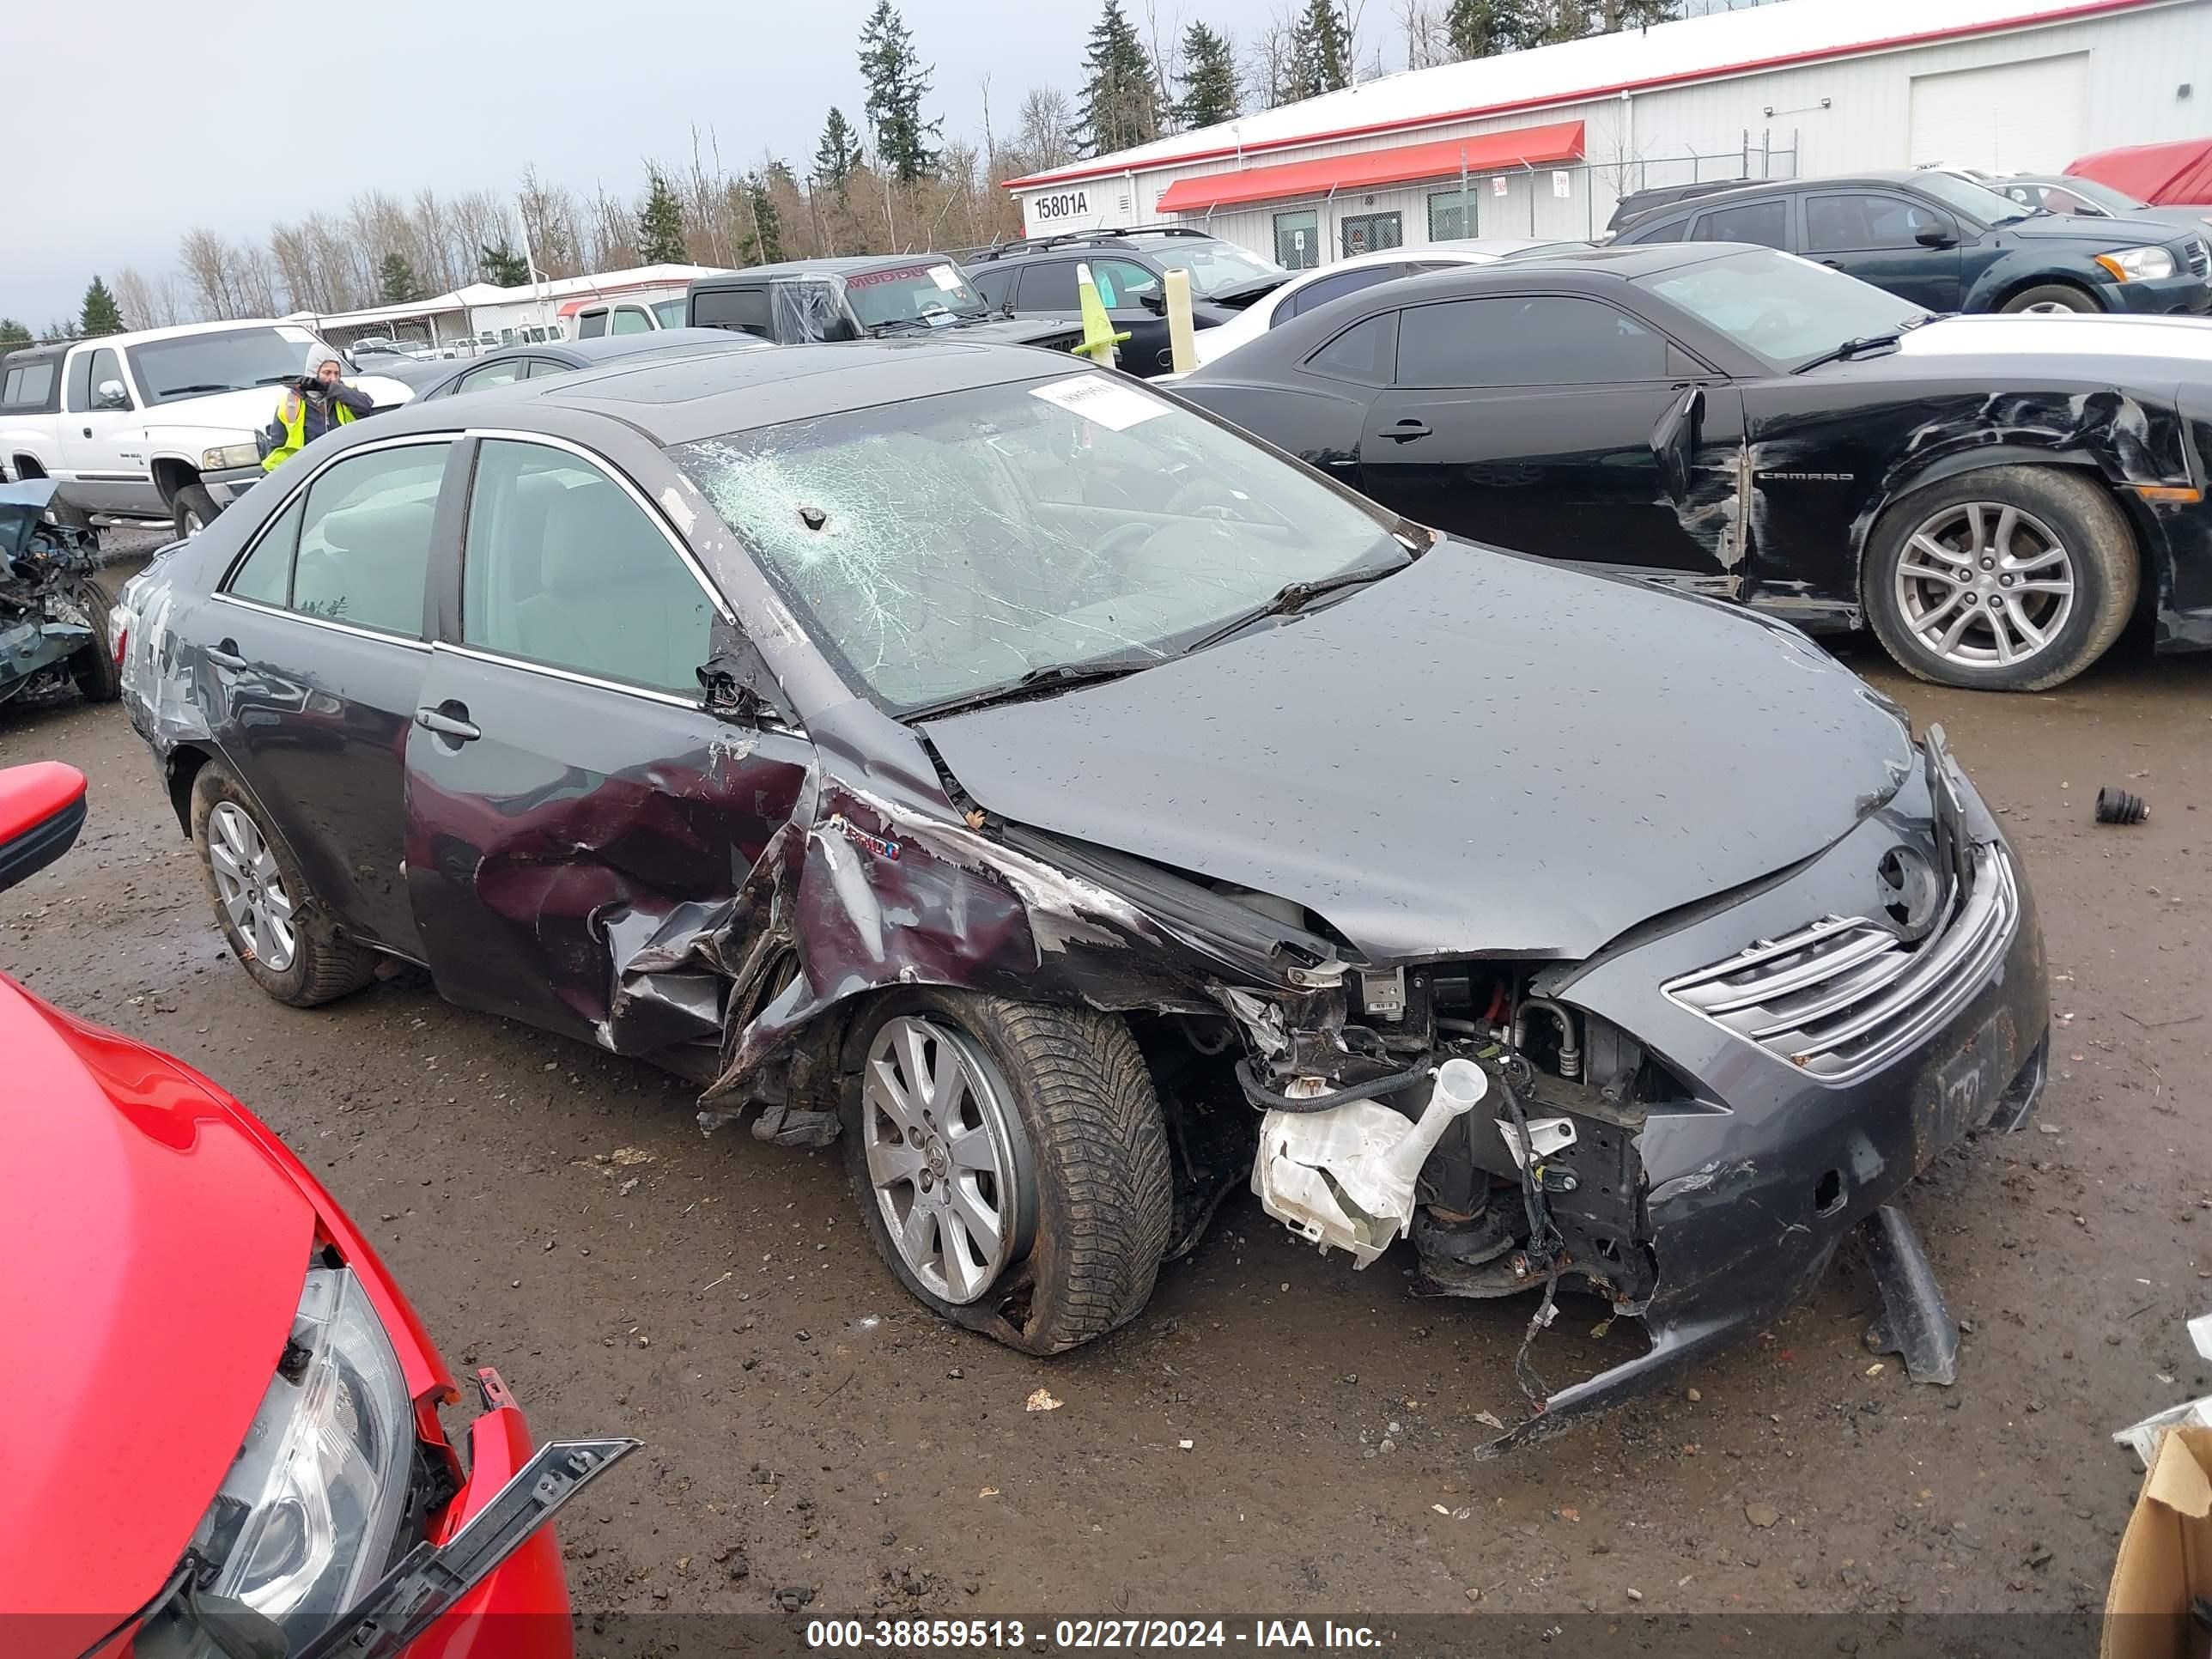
pixel 134 299
pixel 1426 42
pixel 1045 136
pixel 210 265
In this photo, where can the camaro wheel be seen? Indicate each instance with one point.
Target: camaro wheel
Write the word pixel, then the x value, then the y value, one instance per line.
pixel 263 904
pixel 1012 1163
pixel 2012 578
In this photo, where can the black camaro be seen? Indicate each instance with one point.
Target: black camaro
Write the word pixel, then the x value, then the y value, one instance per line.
pixel 1078 811
pixel 1995 496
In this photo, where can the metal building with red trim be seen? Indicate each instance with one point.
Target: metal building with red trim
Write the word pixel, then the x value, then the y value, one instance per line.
pixel 1543 142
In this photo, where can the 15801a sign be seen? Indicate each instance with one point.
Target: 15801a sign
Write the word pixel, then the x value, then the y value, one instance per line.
pixel 1067 204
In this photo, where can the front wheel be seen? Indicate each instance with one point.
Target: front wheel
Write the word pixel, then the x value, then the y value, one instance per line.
pixel 2052 299
pixel 2010 578
pixel 1012 1164
pixel 98 677
pixel 192 511
pixel 278 929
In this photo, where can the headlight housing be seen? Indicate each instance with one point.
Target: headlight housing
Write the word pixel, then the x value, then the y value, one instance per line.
pixel 2137 264
pixel 304 1522
pixel 229 456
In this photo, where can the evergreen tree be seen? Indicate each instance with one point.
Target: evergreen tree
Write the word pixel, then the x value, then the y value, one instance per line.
pixel 839 153
pixel 1484 28
pixel 897 83
pixel 1320 51
pixel 1209 79
pixel 501 266
pixel 13 333
pixel 396 283
pixel 1121 100
pixel 660 224
pixel 99 314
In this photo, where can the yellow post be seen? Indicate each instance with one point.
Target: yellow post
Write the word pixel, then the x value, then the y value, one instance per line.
pixel 1182 350
pixel 1099 338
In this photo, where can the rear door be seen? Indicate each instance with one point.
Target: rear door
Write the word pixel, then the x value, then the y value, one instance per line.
pixel 319 656
pixel 1875 235
pixel 1765 219
pixel 1528 420
pixel 569 802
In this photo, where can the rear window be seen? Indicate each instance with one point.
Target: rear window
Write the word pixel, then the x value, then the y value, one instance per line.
pixel 27 386
pixel 745 309
pixel 1766 223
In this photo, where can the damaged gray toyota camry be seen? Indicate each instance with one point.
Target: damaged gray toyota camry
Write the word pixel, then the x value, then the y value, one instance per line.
pixel 1080 811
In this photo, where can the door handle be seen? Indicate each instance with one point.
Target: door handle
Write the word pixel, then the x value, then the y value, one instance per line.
pixel 1407 430
pixel 449 720
pixel 1833 264
pixel 87 432
pixel 226 655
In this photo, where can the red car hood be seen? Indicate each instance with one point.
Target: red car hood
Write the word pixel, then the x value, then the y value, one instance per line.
pixel 151 1256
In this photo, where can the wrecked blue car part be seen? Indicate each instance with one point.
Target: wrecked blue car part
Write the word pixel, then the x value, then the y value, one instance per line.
pixel 53 615
pixel 1074 811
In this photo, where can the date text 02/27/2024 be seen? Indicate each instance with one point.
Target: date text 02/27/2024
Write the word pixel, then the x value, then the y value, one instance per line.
pixel 1071 1635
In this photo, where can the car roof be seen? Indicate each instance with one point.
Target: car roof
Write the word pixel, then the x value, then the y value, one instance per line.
pixel 840 265
pixel 586 354
pixel 682 399
pixel 1889 176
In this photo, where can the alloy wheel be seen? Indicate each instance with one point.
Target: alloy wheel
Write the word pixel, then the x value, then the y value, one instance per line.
pixel 944 1158
pixel 2048 308
pixel 1984 583
pixel 250 887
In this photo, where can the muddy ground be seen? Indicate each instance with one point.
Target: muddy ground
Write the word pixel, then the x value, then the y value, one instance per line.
pixel 1276 1433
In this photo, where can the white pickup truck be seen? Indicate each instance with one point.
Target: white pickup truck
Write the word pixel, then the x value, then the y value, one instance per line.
pixel 157 427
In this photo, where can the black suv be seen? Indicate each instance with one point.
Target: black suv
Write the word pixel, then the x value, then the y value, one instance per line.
pixel 1949 244
pixel 1037 276
pixel 875 296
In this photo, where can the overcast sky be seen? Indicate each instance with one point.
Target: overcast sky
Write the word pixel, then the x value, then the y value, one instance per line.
pixel 145 118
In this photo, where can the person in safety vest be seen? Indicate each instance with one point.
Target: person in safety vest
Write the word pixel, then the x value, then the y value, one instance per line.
pixel 311 406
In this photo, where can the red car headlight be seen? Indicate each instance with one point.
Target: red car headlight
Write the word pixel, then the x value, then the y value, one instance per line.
pixel 306 1518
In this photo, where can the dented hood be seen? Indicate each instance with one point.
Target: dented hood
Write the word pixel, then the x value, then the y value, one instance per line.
pixel 1482 753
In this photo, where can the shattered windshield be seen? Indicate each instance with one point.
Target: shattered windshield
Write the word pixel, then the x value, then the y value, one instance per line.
pixel 933 293
pixel 1217 268
pixel 944 546
pixel 1786 309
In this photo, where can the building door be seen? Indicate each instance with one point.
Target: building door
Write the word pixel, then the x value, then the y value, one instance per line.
pixel 2007 118
pixel 1298 239
pixel 1367 232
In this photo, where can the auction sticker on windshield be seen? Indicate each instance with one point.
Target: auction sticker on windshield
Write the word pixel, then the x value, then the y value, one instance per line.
pixel 1117 408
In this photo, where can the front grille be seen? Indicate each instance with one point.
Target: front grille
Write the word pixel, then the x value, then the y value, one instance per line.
pixel 2200 257
pixel 1842 997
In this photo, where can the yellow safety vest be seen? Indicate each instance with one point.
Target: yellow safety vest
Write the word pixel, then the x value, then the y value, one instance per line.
pixel 292 415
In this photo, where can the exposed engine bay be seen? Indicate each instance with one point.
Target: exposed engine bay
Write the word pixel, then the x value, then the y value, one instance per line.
pixel 1527 1109
pixel 52 618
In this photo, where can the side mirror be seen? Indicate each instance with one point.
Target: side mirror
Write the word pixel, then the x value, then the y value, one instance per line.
pixel 1937 236
pixel 112 396
pixel 1674 443
pixel 41 810
pixel 1155 303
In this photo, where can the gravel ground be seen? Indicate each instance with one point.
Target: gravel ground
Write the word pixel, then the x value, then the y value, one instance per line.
pixel 1276 1432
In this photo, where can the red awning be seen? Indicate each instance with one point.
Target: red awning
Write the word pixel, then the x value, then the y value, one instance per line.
pixel 2165 175
pixel 1484 152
